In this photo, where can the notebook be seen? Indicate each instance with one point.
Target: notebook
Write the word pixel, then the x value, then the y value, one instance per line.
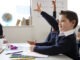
pixel 21 57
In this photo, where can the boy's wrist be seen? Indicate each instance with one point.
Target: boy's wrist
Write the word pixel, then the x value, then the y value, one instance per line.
pixel 40 11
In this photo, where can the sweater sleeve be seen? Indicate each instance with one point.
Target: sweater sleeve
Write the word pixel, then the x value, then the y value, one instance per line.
pixel 54 14
pixel 51 20
pixel 44 43
pixel 61 47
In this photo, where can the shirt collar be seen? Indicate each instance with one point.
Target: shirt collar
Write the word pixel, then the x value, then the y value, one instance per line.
pixel 67 33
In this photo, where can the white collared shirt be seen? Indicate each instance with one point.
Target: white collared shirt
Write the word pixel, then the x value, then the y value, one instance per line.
pixel 67 33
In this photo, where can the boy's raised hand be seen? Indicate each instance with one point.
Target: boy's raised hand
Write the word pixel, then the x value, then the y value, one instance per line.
pixel 54 4
pixel 38 8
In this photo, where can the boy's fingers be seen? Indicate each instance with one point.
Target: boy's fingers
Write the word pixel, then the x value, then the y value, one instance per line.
pixel 35 10
pixel 37 4
pixel 40 4
pixel 53 1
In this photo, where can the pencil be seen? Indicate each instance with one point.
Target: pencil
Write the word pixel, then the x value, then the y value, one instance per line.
pixel 1 51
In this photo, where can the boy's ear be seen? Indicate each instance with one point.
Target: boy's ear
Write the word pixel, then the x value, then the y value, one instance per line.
pixel 74 22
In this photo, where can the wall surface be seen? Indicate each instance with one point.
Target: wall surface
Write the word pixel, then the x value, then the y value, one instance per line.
pixel 18 34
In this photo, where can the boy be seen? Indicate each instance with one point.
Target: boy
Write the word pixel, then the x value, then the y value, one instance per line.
pixel 65 40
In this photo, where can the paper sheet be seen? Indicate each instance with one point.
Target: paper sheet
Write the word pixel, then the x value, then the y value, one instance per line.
pixel 34 54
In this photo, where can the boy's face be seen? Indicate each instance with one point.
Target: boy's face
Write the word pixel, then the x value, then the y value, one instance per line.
pixel 65 24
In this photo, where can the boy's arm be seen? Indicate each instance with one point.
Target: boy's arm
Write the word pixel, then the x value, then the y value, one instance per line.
pixel 54 14
pixel 51 20
pixel 54 8
pixel 54 49
pixel 45 43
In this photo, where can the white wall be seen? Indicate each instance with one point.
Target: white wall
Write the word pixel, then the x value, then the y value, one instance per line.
pixel 22 34
pixel 74 7
pixel 18 34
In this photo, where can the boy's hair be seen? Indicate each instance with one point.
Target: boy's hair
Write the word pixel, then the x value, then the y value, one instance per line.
pixel 71 16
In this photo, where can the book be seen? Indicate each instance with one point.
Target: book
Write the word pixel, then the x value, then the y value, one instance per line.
pixel 21 57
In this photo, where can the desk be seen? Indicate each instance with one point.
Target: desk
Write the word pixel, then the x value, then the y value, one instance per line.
pixel 3 56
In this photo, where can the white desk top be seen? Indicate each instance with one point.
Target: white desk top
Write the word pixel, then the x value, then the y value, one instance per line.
pixel 3 56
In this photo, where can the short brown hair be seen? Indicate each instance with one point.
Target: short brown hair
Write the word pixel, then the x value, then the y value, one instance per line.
pixel 71 16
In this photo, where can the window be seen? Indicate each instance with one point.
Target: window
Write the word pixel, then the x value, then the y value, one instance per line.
pixel 74 5
pixel 12 12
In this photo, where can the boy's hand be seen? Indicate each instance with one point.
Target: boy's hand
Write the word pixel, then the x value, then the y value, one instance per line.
pixel 32 47
pixel 31 42
pixel 38 9
pixel 54 4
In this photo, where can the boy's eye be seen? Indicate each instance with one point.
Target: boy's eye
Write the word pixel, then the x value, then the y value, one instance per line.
pixel 62 20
